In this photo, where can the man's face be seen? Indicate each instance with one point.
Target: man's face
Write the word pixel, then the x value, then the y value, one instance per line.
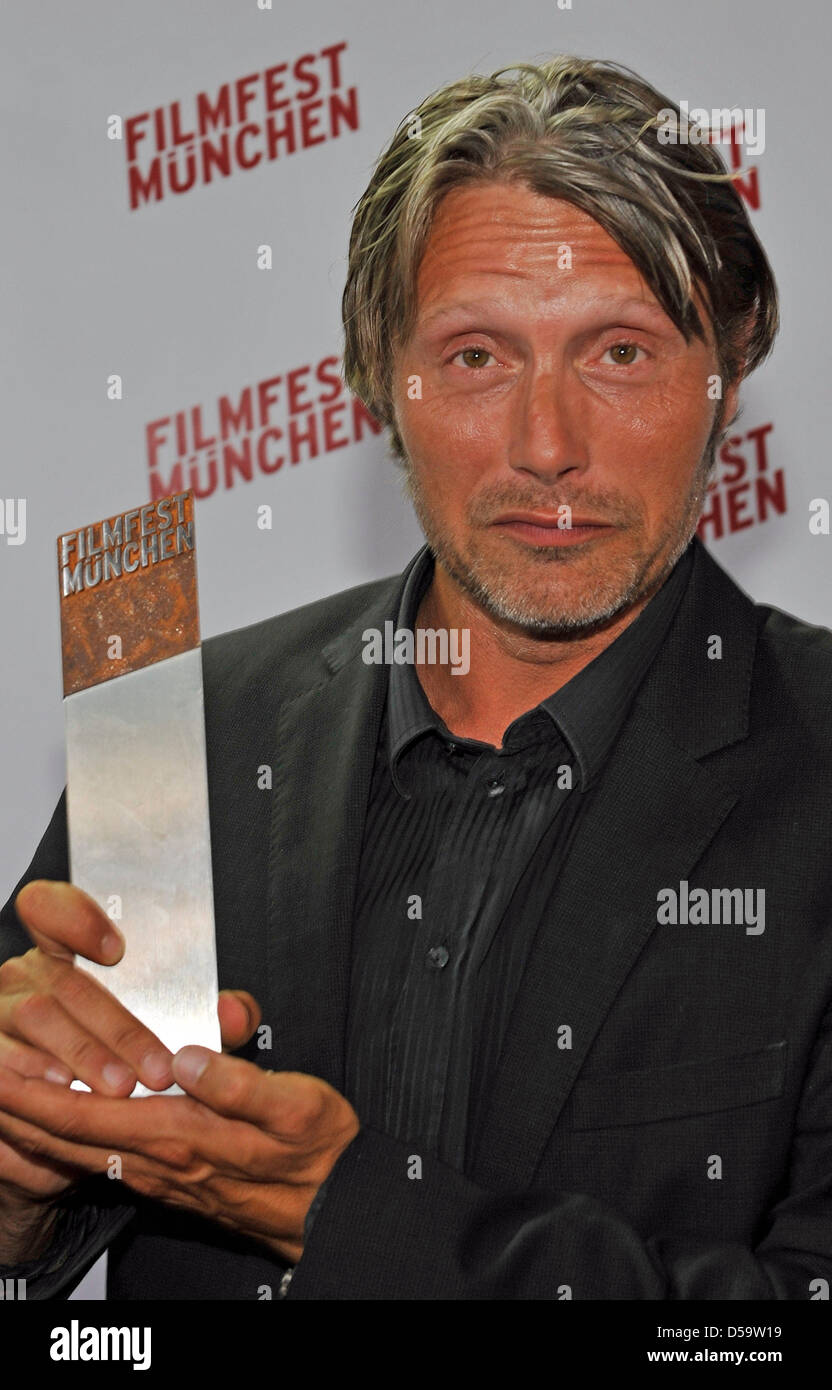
pixel 545 387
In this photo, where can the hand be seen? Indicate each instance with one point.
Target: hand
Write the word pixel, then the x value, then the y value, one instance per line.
pixel 57 1022
pixel 244 1147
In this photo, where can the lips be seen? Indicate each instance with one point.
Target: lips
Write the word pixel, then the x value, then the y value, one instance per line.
pixel 546 519
pixel 546 530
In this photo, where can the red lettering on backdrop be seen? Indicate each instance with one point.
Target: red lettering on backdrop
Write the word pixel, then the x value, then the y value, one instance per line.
pixel 748 187
pixel 297 415
pixel 212 117
pixel 300 74
pixel 237 421
pixel 260 116
pixel 133 133
pixel 274 84
pixel 744 491
pixel 296 389
pixel 267 396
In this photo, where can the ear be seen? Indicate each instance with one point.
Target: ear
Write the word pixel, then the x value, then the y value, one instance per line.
pixel 731 390
pixel 730 401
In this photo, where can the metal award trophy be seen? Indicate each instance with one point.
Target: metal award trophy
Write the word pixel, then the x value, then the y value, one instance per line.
pixel 137 785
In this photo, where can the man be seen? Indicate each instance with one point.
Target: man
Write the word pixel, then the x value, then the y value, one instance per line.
pixel 544 947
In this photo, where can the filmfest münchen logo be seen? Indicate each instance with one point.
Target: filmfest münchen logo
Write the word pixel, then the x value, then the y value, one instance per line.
pixel 262 116
pixel 253 430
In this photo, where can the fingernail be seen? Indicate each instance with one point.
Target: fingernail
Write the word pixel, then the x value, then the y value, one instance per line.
pixel 116 1073
pixel 60 1077
pixel 190 1063
pixel 156 1066
pixel 111 946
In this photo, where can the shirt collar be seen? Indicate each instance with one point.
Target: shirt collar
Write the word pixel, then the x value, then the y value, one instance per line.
pixel 589 710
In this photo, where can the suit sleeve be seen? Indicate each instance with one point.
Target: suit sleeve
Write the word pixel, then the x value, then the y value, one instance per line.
pixel 380 1234
pixel 94 1213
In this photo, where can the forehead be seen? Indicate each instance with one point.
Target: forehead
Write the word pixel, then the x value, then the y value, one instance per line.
pixel 500 242
pixel 504 229
pixel 508 219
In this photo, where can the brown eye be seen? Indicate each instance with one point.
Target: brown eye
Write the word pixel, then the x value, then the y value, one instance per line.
pixel 624 353
pixel 474 352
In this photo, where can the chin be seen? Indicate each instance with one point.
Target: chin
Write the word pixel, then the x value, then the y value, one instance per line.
pixel 554 604
pixel 583 615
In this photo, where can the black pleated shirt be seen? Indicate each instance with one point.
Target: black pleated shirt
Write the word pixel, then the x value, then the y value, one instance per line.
pixel 462 845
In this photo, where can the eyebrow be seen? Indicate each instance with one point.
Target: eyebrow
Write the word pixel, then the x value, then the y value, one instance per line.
pixel 614 307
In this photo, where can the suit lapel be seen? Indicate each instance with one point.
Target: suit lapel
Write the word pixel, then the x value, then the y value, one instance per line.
pixel 325 741
pixel 646 824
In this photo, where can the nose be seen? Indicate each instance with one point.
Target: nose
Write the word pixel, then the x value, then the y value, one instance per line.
pixel 548 438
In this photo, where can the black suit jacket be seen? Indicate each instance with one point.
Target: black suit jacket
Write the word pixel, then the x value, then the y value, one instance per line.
pixel 681 1146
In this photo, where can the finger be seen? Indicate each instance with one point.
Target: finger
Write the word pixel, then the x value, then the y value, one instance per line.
pixel 37 1141
pixel 239 1015
pixel 57 1007
pixel 37 1177
pixel 286 1104
pixel 31 1061
pixel 64 921
pixel 75 1119
pixel 175 1136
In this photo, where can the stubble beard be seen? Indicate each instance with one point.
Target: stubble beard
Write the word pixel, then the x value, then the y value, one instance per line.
pixel 547 607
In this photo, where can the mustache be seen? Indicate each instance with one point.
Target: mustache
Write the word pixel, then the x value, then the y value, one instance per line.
pixel 496 498
pixel 492 502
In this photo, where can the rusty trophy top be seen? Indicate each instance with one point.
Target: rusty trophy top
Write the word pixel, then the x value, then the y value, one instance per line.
pixel 110 626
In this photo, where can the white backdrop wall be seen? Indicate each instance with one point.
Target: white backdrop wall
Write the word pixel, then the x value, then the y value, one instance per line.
pixel 220 358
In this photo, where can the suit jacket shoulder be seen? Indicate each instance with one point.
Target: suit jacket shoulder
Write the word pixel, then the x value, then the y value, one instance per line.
pixel 801 653
pixel 288 648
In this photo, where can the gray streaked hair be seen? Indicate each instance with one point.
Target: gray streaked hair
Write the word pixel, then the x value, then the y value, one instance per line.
pixel 577 129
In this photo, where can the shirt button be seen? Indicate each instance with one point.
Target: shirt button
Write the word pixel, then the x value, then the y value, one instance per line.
pixel 495 786
pixel 437 958
pixel 450 747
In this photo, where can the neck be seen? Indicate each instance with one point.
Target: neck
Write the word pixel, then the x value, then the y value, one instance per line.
pixel 511 671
